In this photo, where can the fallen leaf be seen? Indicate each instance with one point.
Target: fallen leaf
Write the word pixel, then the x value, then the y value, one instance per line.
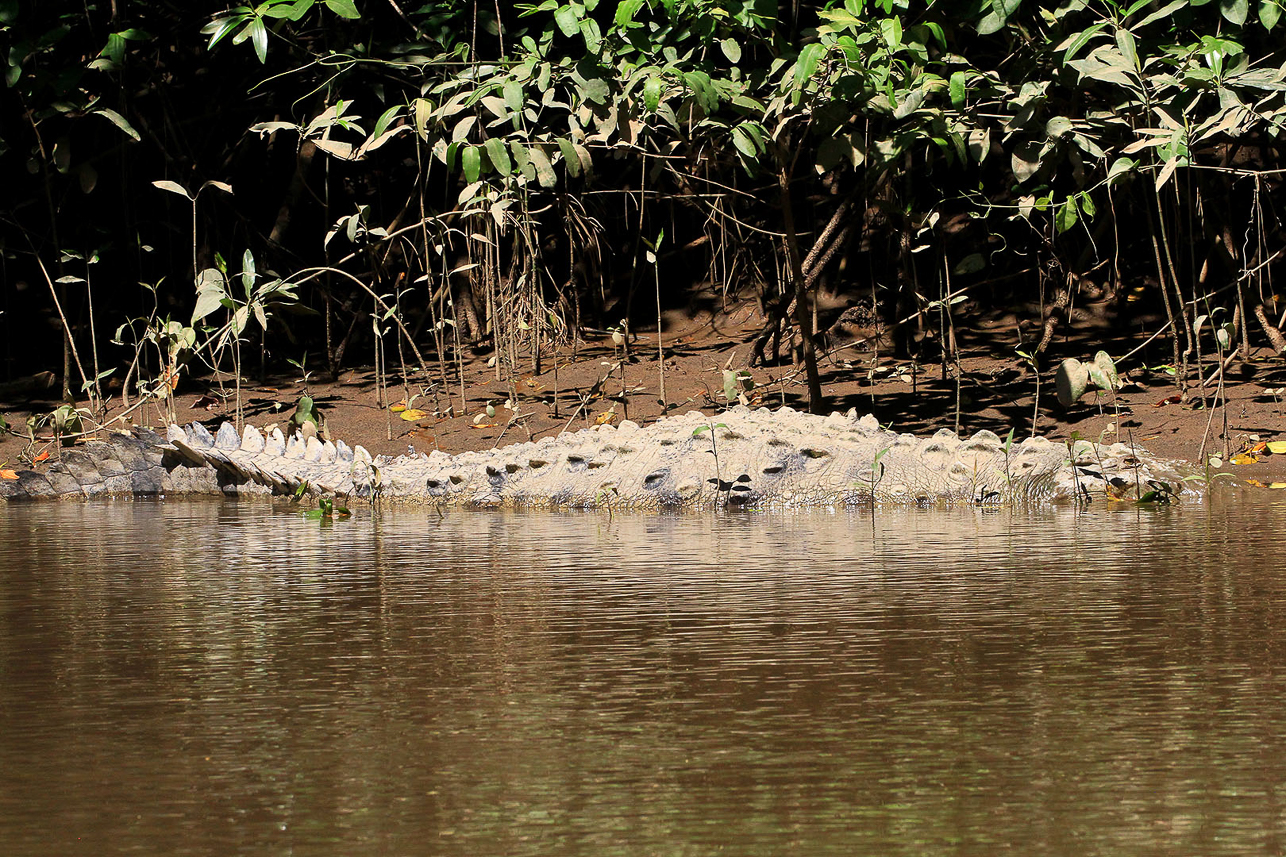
pixel 8 474
pixel 1244 458
pixel 1169 400
pixel 1258 448
pixel 1276 486
pixel 482 425
pixel 398 408
pixel 41 457
pixel 413 414
pixel 605 418
pixel 207 402
pixel 1277 447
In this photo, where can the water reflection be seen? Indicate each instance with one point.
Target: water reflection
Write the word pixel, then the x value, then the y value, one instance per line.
pixel 203 678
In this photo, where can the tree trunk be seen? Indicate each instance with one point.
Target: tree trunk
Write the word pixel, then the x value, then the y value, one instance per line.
pixel 803 314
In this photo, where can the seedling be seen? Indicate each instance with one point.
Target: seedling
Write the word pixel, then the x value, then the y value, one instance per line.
pixel 306 411
pixel 1075 377
pixel 327 511
pixel 714 450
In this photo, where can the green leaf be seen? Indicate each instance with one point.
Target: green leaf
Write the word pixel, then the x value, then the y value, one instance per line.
pixel 592 35
pixel 513 96
pixel 996 19
pixel 1057 127
pixel 498 154
pixel 343 8
pixel 746 142
pixel 652 88
pixel 732 50
pixel 1164 12
pixel 119 121
pixel 1086 202
pixel 291 12
pixel 958 89
pixel 206 302
pixel 567 21
pixel 471 163
pixel 1235 11
pixel 596 90
pixel 570 157
pixel 625 12
pixel 522 159
pixel 259 38
pixel 1066 216
pixel 544 169
pixel 1270 11
pixel 1120 167
pixel 703 87
pixel 1125 42
pixel 806 64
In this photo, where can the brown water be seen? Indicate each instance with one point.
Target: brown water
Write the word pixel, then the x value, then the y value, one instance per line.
pixel 204 678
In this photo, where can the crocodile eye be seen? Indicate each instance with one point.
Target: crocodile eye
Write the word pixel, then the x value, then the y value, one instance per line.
pixel 653 480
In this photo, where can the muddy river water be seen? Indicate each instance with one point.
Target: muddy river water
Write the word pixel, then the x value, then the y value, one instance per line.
pixel 232 678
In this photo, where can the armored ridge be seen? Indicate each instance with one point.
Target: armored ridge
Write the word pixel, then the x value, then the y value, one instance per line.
pixel 741 458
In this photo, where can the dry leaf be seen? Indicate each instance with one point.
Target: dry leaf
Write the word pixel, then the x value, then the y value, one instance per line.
pixel 1276 447
pixel 483 425
pixel 1244 458
pixel 41 457
pixel 398 408
pixel 1255 483
pixel 605 418
pixel 413 414
pixel 8 474
pixel 1169 400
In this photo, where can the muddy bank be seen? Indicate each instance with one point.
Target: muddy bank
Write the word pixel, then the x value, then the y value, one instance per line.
pixel 601 380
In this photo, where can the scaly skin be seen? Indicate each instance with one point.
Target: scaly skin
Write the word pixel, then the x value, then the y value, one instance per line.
pixel 741 458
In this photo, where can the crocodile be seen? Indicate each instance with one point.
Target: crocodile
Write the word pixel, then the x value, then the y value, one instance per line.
pixel 741 458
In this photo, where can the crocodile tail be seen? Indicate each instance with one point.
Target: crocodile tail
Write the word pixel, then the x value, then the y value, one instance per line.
pixel 141 464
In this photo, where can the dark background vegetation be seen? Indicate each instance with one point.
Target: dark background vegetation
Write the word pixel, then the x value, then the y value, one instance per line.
pixel 411 182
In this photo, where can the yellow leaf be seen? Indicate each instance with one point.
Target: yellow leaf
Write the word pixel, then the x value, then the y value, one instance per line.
pixel 483 425
pixel 605 418
pixel 8 474
pixel 1276 485
pixel 413 414
pixel 398 408
pixel 1244 458
pixel 1277 447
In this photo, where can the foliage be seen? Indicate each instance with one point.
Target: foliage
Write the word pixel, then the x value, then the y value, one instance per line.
pixel 463 170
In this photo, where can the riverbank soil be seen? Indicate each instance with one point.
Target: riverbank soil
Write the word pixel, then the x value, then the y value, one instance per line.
pixel 601 380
